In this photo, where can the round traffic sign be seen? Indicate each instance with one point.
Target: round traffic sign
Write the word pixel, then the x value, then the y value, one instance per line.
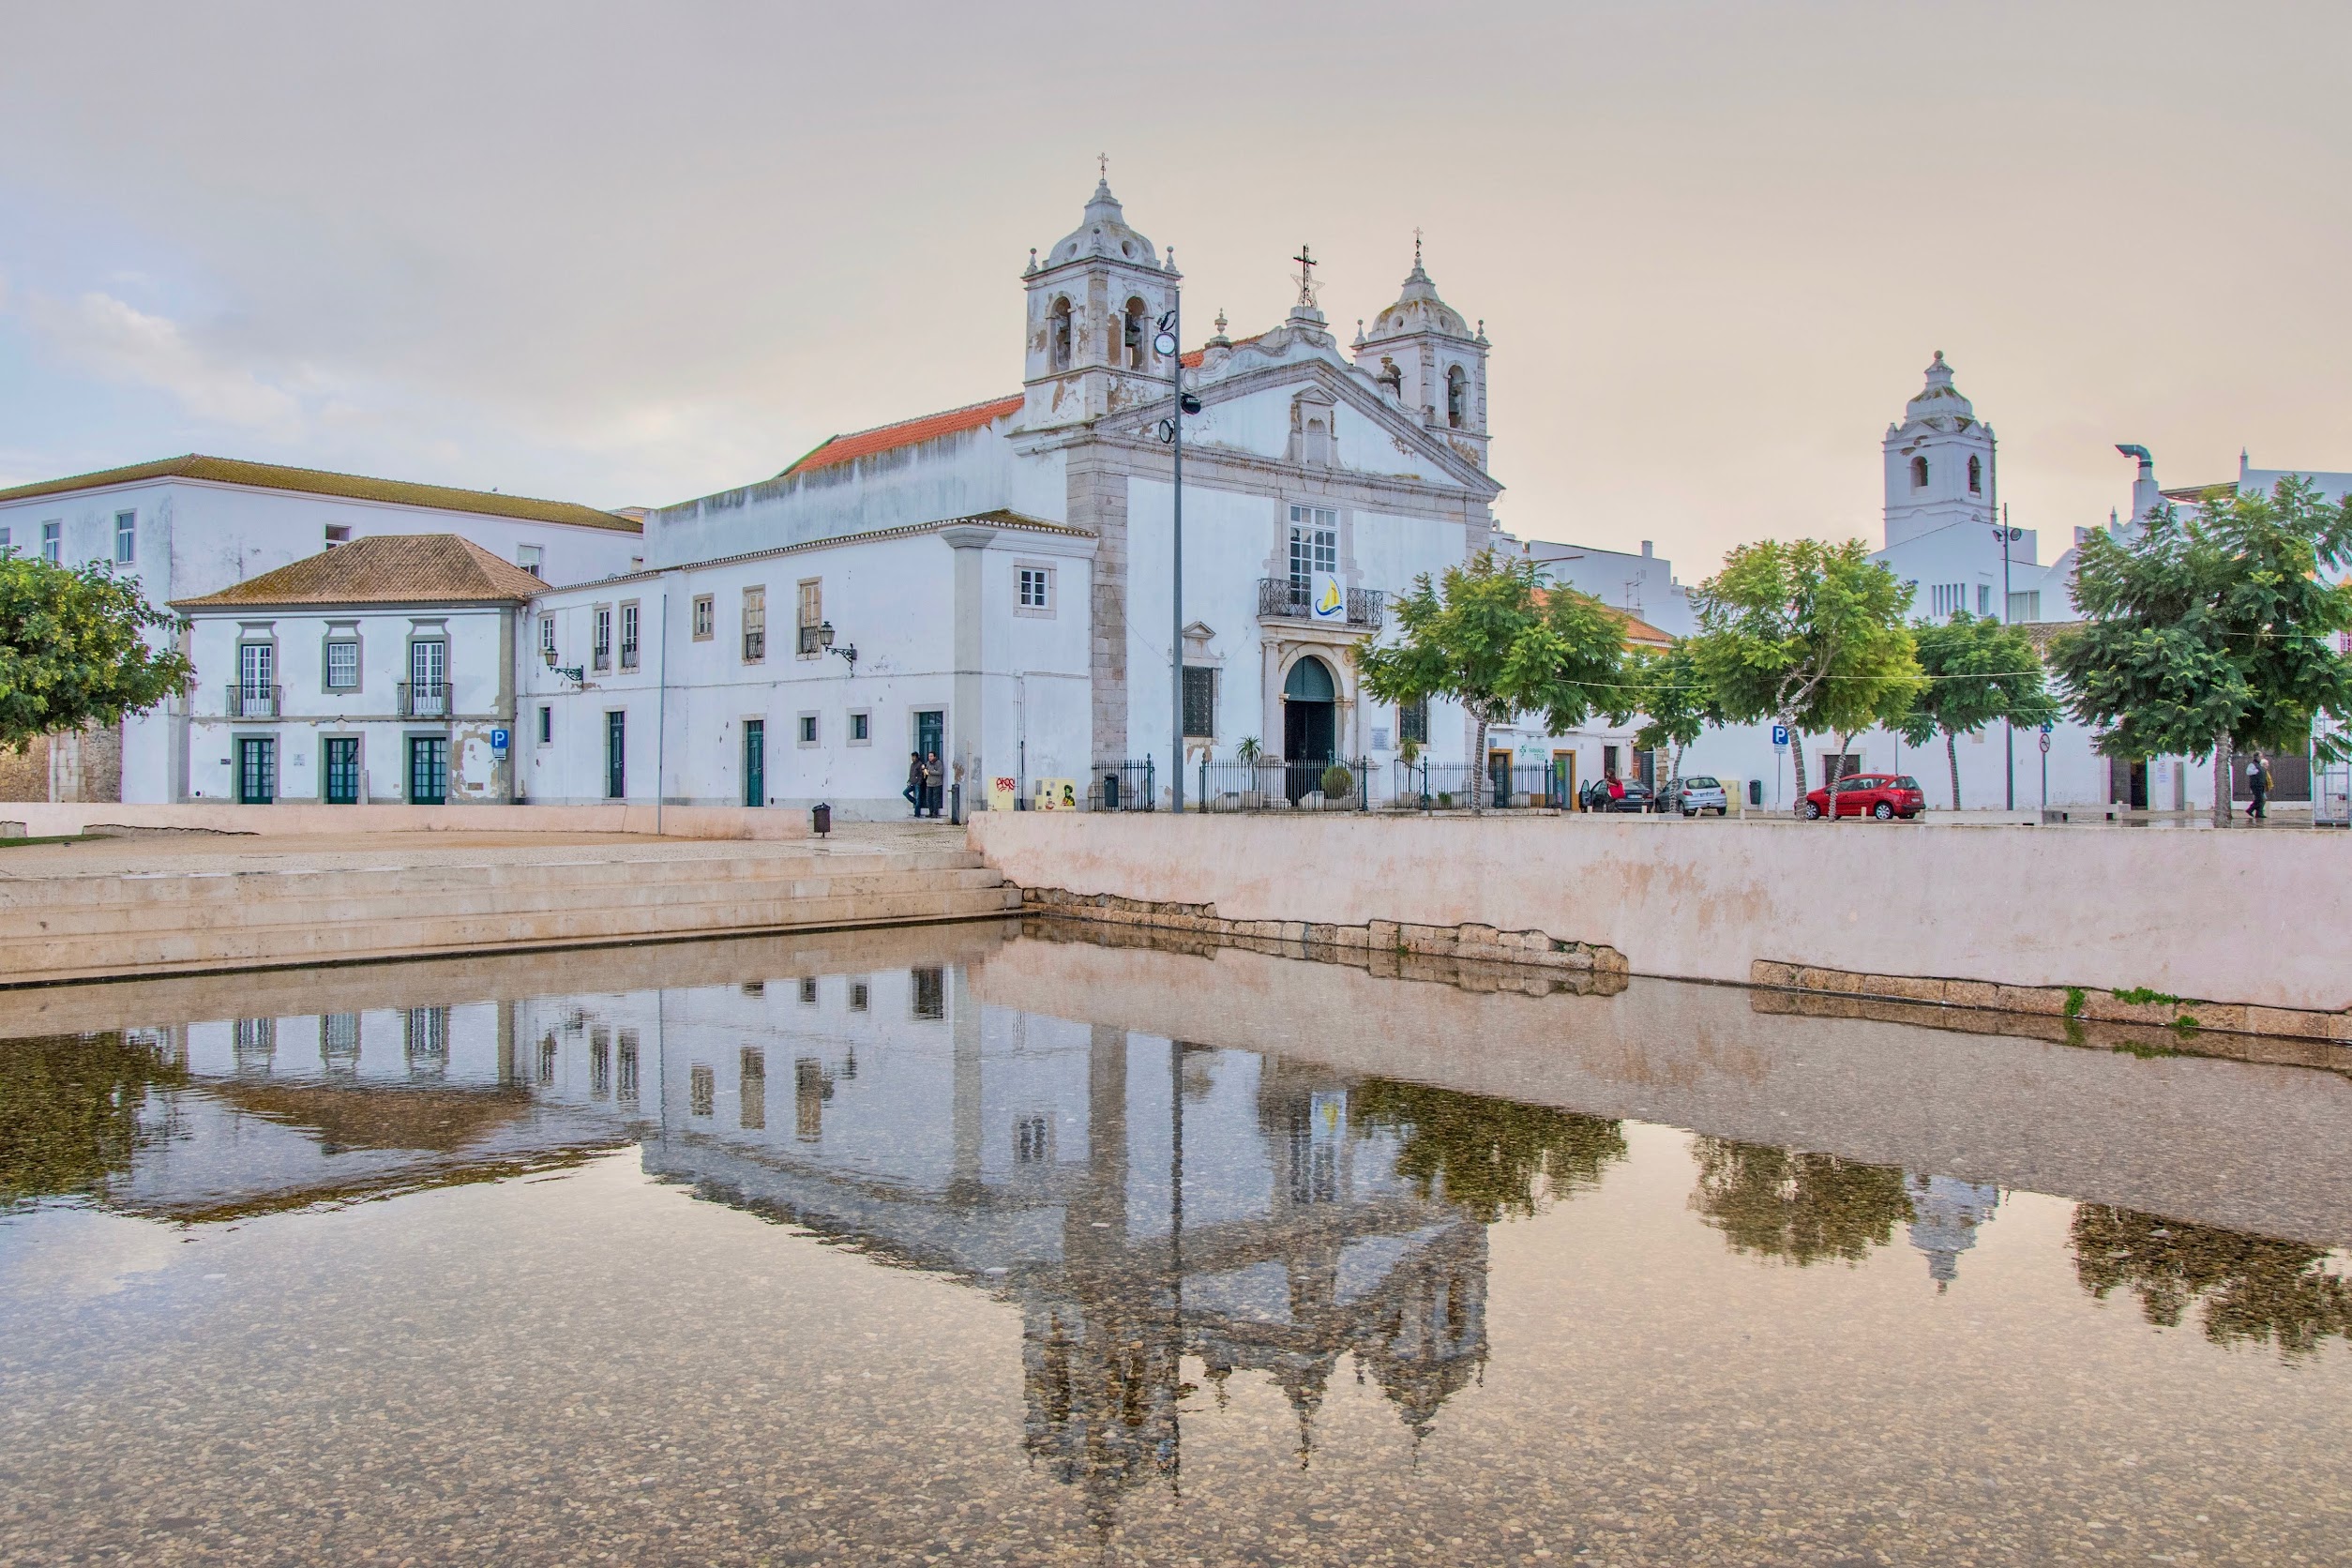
pixel 1165 345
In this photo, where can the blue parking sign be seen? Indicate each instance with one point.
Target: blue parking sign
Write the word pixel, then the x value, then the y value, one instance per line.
pixel 1780 737
pixel 498 740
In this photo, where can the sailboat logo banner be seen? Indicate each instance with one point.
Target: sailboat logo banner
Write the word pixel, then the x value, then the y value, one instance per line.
pixel 1330 603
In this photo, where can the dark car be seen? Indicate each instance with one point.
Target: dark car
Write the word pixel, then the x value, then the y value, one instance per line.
pixel 1883 795
pixel 1636 798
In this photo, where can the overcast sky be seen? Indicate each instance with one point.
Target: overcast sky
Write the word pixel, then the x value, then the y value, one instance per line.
pixel 621 253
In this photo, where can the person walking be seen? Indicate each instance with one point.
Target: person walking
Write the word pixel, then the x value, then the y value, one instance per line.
pixel 914 791
pixel 2258 785
pixel 932 775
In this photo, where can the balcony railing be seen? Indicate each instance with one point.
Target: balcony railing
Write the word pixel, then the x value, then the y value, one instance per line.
pixel 424 700
pixel 813 641
pixel 1280 598
pixel 253 701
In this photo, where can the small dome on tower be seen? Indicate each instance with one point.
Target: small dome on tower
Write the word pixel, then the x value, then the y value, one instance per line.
pixel 1104 233
pixel 1939 400
pixel 1418 309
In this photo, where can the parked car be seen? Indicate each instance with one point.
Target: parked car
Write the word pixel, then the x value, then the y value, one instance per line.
pixel 1636 798
pixel 1883 795
pixel 1695 795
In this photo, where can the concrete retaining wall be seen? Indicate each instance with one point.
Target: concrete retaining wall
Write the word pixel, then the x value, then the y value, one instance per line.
pixel 675 821
pixel 2247 916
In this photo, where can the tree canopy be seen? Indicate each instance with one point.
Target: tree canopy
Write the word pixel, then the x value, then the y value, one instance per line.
pixel 2209 632
pixel 72 650
pixel 1493 638
pixel 1974 671
pixel 1676 701
pixel 1807 634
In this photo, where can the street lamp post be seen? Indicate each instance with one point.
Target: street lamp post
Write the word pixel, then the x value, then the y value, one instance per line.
pixel 1169 344
pixel 2008 535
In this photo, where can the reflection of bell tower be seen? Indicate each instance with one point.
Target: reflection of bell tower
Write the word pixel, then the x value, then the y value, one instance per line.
pixel 1433 1340
pixel 1946 1214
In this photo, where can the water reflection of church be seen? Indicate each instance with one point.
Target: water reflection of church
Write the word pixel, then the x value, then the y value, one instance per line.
pixel 1147 1204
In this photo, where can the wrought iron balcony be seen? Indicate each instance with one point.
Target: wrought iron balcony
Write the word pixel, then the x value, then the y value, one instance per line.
pixel 1280 598
pixel 424 700
pixel 252 701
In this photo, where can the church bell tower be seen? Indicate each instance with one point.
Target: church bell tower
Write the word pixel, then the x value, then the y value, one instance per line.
pixel 1430 360
pixel 1094 301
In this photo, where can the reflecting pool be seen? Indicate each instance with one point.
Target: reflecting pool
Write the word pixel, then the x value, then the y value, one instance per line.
pixel 986 1245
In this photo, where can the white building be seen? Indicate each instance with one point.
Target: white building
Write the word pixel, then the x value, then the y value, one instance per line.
pixel 1003 569
pixel 190 526
pixel 381 670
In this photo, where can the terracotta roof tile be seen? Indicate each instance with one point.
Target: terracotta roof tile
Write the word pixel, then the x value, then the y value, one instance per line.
pixel 314 481
pixel 907 432
pixel 384 569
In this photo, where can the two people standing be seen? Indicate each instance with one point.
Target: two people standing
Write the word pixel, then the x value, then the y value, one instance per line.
pixel 923 779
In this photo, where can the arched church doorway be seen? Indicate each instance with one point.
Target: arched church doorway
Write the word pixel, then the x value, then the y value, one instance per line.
pixel 1310 725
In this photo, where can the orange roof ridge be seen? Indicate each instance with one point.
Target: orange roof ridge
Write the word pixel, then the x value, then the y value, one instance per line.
pixel 905 432
pixel 384 569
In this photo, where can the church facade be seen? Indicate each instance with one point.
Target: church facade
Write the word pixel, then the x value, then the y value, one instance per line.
pixel 1001 573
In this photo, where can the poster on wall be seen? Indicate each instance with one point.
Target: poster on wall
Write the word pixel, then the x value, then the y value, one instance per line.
pixel 1056 795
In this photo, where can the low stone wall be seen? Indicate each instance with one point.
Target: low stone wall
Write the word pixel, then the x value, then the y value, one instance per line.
pixel 2249 923
pixel 44 821
pixel 1389 939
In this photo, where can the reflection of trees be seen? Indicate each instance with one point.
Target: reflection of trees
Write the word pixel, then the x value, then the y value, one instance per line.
pixel 1486 1156
pixel 1798 1207
pixel 2247 1288
pixel 70 1110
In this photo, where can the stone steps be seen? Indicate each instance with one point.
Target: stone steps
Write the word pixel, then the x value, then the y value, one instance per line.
pixel 92 927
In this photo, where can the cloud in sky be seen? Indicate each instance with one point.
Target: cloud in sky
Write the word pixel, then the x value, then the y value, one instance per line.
pixel 631 252
pixel 108 339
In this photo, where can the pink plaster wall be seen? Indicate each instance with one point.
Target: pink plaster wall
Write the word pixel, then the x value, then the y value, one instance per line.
pixel 2250 915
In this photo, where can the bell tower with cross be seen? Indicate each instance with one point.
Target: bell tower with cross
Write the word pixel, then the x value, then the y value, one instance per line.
pixel 1095 297
pixel 1431 361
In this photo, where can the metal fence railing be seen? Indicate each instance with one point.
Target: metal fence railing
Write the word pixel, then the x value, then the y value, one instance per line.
pixel 1129 784
pixel 1446 787
pixel 1275 785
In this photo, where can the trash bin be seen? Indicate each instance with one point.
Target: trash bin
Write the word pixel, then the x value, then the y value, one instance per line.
pixel 820 819
pixel 1110 792
pixel 1755 792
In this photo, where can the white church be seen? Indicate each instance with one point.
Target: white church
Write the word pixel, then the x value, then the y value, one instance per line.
pixel 989 584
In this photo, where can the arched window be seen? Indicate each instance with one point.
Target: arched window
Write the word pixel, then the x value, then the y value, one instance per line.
pixel 1309 681
pixel 1456 398
pixel 1976 477
pixel 1132 336
pixel 1058 335
pixel 1918 472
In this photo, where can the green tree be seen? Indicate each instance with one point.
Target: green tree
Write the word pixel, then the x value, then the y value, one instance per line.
pixel 1975 671
pixel 2248 1287
pixel 2208 633
pixel 70 1111
pixel 1494 638
pixel 1800 1208
pixel 1675 700
pixel 1806 634
pixel 1489 1157
pixel 74 650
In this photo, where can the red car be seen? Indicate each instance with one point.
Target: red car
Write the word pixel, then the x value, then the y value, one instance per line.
pixel 1883 795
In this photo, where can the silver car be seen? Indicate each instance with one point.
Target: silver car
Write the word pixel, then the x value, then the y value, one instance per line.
pixel 1695 795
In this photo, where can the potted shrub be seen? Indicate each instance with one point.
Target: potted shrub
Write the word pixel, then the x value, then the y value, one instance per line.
pixel 1339 786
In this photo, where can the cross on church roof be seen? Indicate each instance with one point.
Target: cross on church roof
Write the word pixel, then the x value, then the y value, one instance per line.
pixel 1416 245
pixel 1103 161
pixel 1306 258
